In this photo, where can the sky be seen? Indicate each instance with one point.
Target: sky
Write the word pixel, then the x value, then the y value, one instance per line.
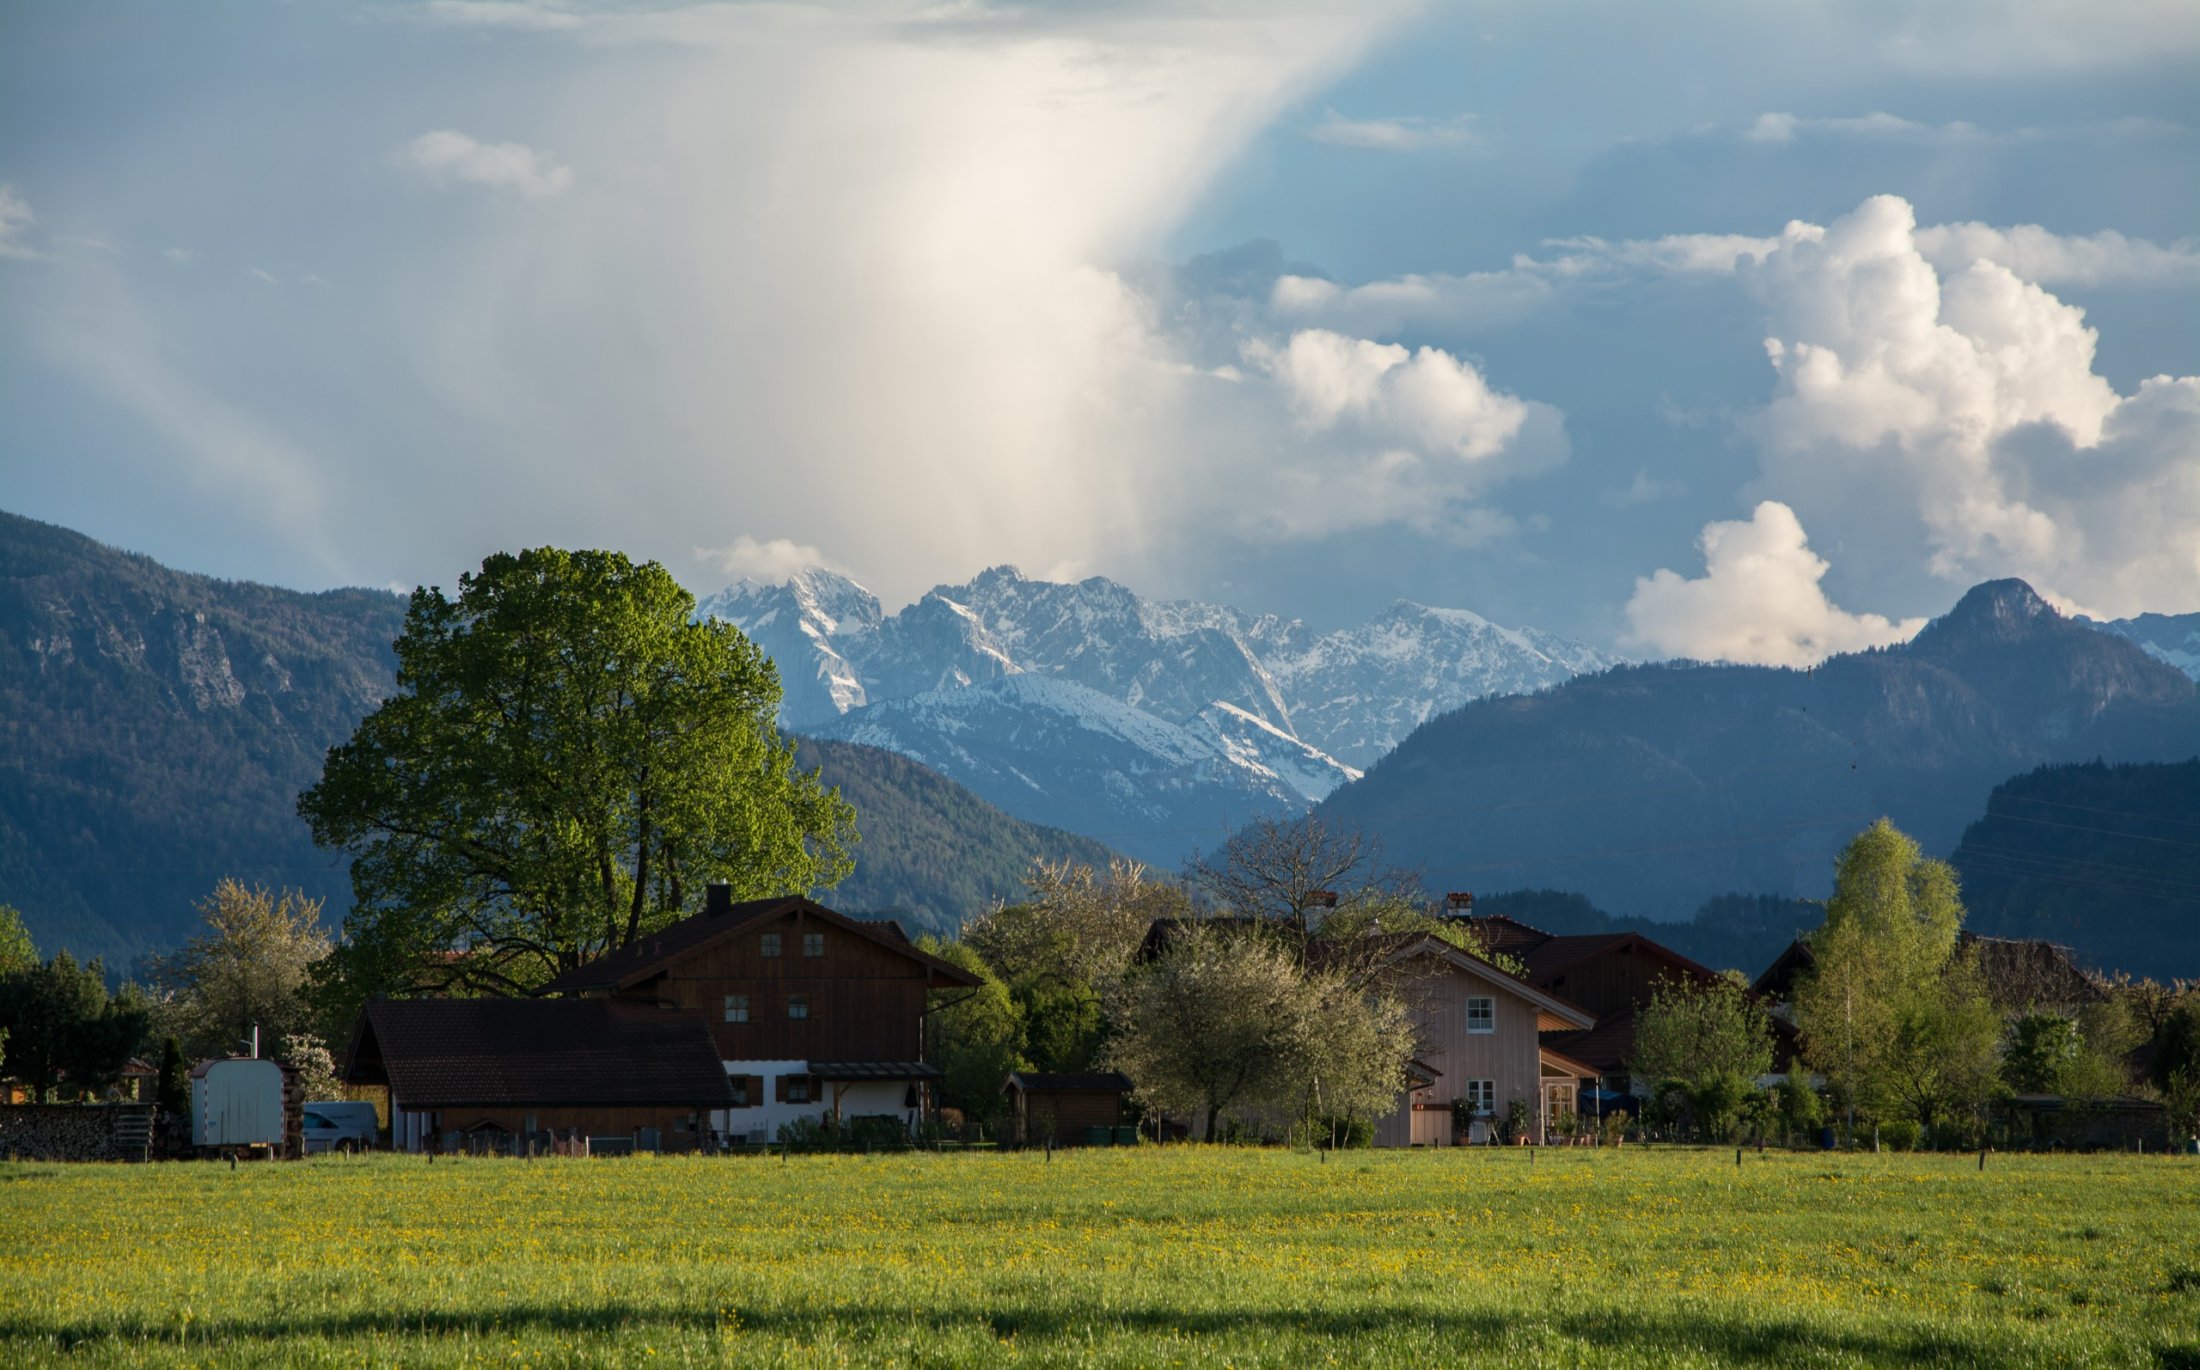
pixel 1750 331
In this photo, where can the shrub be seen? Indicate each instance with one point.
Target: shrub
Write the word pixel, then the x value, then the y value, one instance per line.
pixel 1342 1134
pixel 1615 1128
pixel 1900 1135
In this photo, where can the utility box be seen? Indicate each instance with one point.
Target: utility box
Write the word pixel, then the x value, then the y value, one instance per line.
pixel 238 1101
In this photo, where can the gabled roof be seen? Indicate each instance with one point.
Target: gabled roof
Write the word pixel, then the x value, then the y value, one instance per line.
pixel 1566 1013
pixel 499 1053
pixel 1059 1082
pixel 648 957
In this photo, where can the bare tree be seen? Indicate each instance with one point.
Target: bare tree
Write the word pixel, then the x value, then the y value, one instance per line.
pixel 1299 870
pixel 1080 927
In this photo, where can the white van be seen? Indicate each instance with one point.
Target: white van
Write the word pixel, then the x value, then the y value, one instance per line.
pixel 339 1125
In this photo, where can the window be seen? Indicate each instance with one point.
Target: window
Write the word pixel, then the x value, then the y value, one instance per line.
pixel 798 1006
pixel 740 1085
pixel 768 944
pixel 737 1008
pixel 1483 1095
pixel 798 1088
pixel 1481 1014
pixel 813 944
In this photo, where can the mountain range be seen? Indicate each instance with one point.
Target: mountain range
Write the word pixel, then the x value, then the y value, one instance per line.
pixel 1157 724
pixel 1653 788
pixel 156 728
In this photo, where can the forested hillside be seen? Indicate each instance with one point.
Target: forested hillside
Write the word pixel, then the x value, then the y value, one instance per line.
pixel 1653 788
pixel 932 852
pixel 156 728
pixel 2103 859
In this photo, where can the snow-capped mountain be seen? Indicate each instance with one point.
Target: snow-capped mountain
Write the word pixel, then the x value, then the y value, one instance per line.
pixel 1060 753
pixel 2171 638
pixel 1357 692
pixel 1211 712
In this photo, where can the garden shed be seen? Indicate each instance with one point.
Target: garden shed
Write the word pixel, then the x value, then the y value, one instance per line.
pixel 1063 1108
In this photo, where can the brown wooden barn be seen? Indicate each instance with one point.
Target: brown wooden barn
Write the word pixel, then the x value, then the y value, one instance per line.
pixel 501 1070
pixel 1063 1108
pixel 811 1013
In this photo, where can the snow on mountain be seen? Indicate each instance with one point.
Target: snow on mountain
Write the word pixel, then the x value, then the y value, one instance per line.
pixel 1357 692
pixel 2170 638
pixel 805 626
pixel 1263 749
pixel 1151 712
pixel 1353 693
pixel 1055 752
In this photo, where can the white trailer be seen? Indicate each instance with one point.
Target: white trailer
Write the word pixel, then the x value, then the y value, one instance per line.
pixel 238 1102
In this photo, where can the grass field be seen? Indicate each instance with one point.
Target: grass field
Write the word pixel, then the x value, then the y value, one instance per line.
pixel 1176 1255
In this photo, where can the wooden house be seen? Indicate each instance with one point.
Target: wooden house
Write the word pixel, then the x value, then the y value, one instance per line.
pixel 1063 1107
pixel 512 1068
pixel 810 1013
pixel 1481 1034
pixel 1613 976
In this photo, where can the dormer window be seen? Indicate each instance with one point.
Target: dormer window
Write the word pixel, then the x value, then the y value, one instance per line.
pixel 1481 1014
pixel 768 944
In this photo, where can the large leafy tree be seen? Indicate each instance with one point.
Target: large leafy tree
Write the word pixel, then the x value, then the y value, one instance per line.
pixel 61 1024
pixel 248 969
pixel 1714 1041
pixel 1894 1019
pixel 568 760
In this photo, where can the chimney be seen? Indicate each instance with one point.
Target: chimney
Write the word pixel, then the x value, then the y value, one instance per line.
pixel 1459 903
pixel 718 898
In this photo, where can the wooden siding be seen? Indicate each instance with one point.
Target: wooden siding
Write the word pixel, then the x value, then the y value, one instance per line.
pixel 1509 1056
pixel 592 1122
pixel 1620 978
pixel 1074 1111
pixel 866 1003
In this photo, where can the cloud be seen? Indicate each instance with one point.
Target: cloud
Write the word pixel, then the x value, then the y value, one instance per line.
pixel 1967 399
pixel 447 157
pixel 771 560
pixel 15 224
pixel 2032 252
pixel 500 14
pixel 1387 435
pixel 181 256
pixel 1759 601
pixel 1409 134
pixel 1782 128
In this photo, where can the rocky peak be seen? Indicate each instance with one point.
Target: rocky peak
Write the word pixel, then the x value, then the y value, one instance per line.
pixel 1995 611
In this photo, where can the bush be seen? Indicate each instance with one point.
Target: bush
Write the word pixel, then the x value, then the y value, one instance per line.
pixel 1900 1135
pixel 1519 1121
pixel 1342 1134
pixel 1615 1128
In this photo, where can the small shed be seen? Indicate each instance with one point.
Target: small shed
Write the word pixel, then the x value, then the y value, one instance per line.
pixel 1047 1106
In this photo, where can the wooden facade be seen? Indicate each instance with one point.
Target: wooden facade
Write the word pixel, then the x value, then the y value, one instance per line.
pixel 1062 1108
pixel 678 1128
pixel 1462 1047
pixel 841 997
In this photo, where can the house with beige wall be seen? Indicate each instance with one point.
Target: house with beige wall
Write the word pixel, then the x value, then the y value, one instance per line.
pixel 1479 1032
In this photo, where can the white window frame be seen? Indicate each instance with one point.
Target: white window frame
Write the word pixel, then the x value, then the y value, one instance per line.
pixel 1483 1095
pixel 1488 1004
pixel 737 1008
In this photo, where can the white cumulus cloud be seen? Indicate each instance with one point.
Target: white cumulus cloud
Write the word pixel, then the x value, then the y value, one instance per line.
pixel 2037 255
pixel 1386 434
pixel 448 157
pixel 1968 400
pixel 770 560
pixel 1759 601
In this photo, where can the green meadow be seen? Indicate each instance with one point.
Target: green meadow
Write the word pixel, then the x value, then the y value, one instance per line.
pixel 1154 1256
